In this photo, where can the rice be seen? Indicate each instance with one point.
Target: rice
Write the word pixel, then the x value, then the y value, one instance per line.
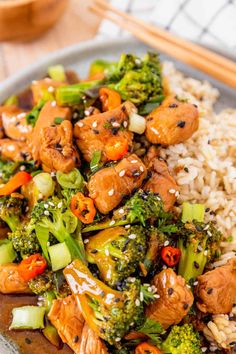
pixel 205 165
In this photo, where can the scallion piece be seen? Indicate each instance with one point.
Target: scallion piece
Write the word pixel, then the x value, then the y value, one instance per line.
pixel 96 157
pixel 71 180
pixel 57 73
pixel 28 317
pixel 192 212
pixel 7 253
pixel 60 256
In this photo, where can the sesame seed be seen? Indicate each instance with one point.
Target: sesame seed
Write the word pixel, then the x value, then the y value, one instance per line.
pixel 204 349
pixel 53 103
pixel 177 194
pixel 125 124
pixel 80 124
pixel 40 196
pixel 112 223
pixel 111 192
pixel 51 203
pixel 121 211
pixel 137 302
pixel 51 89
pixel 172 191
pixel 75 115
pixel 195 283
pixel 199 247
pixel 188 286
pixel 150 289
pixel 131 280
pixel 46 206
pixel 141 296
pixel 134 161
pixel 46 212
pixel 53 174
pixel 205 253
pixel 141 168
pixel 157 296
pixel 209 233
pixel 27 209
pixel 132 236
pixel 166 243
pixel 86 241
pixel 95 124
pixel 86 112
pixel 109 274
pixel 59 205
pixel 118 339
pixel 122 173
pixel 206 227
pixel 115 124
pixel 107 253
pixel 22 168
pixel 164 267
pixel 127 226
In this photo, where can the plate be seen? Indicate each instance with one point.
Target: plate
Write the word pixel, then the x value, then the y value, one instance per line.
pixel 79 57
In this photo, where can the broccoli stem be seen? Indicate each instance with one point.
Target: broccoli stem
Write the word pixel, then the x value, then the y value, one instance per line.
pixel 12 221
pixel 105 225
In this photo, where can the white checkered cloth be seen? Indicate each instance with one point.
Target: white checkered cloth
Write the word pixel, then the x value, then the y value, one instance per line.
pixel 210 22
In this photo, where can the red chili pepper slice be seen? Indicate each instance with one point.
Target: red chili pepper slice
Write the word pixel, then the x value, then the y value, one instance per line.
pixel 170 255
pixel 116 148
pixel 32 266
pixel 146 348
pixel 83 208
pixel 18 180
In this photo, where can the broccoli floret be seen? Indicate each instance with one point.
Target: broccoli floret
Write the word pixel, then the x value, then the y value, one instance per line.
pixel 100 66
pixel 110 313
pixel 140 208
pixel 117 252
pixel 182 339
pixel 55 217
pixel 11 210
pixel 138 80
pixel 7 169
pixel 199 244
pixel 24 239
pixel 42 283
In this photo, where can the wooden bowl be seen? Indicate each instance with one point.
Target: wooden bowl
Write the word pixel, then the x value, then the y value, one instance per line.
pixel 24 20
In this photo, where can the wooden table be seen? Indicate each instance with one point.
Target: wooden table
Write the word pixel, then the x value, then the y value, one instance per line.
pixel 77 24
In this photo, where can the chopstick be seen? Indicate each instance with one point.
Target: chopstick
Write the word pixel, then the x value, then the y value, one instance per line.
pixel 211 63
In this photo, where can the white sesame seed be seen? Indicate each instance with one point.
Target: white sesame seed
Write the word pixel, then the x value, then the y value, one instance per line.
pixel 115 124
pixel 154 289
pixel 132 323
pixel 80 124
pixel 46 212
pixel 75 115
pixel 177 194
pixel 155 131
pixel 111 192
pixel 206 227
pixel 133 161
pixel 209 233
pixel 141 296
pixel 109 274
pixel 137 302
pixel 141 168
pixel 118 339
pixel 95 124
pixel 205 253
pixel 53 174
pixel 125 124
pixel 164 267
pixel 27 209
pixel 199 247
pixel 53 103
pixel 107 253
pixel 22 168
pixel 156 296
pixel 11 148
pixel 51 89
pixel 21 115
pixel 121 211
pixel 188 286
pixel 127 226
pixel 51 203
pixel 132 237
pixel 146 284
pixel 195 283
pixel 112 223
pixel 122 173
pixel 86 112
pixel 150 289
pixel 59 205
pixel 86 240
pixel 204 349
pixel 46 206
pixel 172 191
pixel 166 243
pixel 131 279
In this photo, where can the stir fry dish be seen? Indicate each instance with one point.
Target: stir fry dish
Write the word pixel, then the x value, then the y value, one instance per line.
pixel 93 222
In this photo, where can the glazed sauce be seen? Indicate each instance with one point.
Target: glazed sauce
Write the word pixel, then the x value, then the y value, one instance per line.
pixel 28 342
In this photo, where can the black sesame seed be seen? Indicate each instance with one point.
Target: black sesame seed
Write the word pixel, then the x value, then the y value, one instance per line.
pixel 185 306
pixel 209 291
pixel 63 210
pixel 170 291
pixel 123 108
pixel 136 173
pixel 94 251
pixel 95 131
pixel 195 105
pixel 125 245
pixel 58 146
pixel 207 210
pixel 181 124
pixel 212 212
pixel 186 169
pixel 173 105
pixel 198 228
pixel 75 339
pixel 149 119
pixel 102 330
pixel 17 123
pixel 116 299
pixel 196 265
pixel 112 119
pixel 102 294
pixel 28 341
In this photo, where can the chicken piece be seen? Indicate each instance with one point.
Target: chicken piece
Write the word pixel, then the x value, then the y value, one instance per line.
pixel 69 322
pixel 57 152
pixel 162 182
pixel 46 118
pixel 216 289
pixel 14 123
pixel 93 132
pixel 172 123
pixel 175 299
pixel 11 281
pixel 108 186
pixel 91 343
pixel 15 150
pixel 44 87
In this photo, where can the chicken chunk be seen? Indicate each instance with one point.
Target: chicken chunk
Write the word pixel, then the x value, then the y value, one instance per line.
pixel 162 182
pixel 14 123
pixel 11 281
pixel 46 118
pixel 69 322
pixel 93 132
pixel 91 343
pixel 175 299
pixel 57 152
pixel 108 186
pixel 172 123
pixel 15 150
pixel 44 87
pixel 216 289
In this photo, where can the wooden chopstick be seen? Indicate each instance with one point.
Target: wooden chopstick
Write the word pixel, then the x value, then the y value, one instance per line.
pixel 220 72
pixel 194 48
